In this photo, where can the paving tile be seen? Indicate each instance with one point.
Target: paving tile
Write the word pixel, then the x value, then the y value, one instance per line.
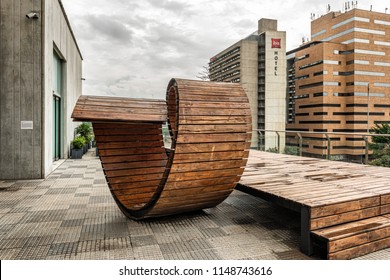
pixel 33 253
pixel 72 216
pixel 12 243
pixel 232 253
pixel 9 254
pixel 151 252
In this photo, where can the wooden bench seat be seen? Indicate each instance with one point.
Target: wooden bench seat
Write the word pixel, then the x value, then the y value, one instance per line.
pixel 354 239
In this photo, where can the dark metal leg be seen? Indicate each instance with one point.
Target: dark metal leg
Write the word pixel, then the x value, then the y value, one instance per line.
pixel 306 243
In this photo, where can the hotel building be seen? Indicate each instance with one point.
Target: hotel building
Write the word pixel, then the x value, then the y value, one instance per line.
pixel 340 81
pixel 258 63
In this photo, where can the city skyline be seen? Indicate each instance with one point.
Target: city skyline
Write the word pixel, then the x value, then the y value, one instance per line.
pixel 133 48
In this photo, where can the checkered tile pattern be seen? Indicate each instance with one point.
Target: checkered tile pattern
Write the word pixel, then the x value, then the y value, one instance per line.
pixel 71 215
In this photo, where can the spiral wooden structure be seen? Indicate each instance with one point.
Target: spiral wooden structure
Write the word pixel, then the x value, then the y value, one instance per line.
pixel 210 129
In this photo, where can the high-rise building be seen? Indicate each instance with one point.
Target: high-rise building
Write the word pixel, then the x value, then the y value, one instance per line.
pixel 258 62
pixel 340 81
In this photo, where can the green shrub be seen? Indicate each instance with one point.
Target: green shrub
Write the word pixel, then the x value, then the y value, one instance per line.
pixel 273 150
pixel 78 142
pixel 85 130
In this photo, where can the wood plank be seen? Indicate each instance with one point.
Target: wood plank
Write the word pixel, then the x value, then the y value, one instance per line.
pixel 207 138
pixel 213 104
pixel 130 131
pixel 201 97
pixel 124 125
pixel 385 199
pixel 134 171
pixel 214 120
pixel 131 151
pixel 216 147
pixel 120 99
pixel 206 166
pixel 360 250
pixel 130 165
pixel 88 115
pixel 212 112
pixel 199 183
pixel 200 157
pixel 138 187
pixel 344 217
pixel 122 109
pixel 215 128
pixel 127 103
pixel 338 208
pixel 370 235
pixel 124 145
pixel 133 158
pixel 135 178
pixel 204 174
pixel 385 209
pixel 127 138
pixel 347 229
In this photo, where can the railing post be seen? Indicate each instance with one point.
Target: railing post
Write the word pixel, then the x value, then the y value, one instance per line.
pixel 300 144
pixel 366 150
pixel 277 133
pixel 261 137
pixel 328 147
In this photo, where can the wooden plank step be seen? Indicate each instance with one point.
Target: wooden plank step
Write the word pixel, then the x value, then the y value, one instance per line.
pixel 354 239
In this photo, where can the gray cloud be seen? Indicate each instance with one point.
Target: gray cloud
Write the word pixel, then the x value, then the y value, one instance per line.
pixel 133 48
pixel 111 28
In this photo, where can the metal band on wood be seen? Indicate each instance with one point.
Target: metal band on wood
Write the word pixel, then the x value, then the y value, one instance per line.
pixel 210 129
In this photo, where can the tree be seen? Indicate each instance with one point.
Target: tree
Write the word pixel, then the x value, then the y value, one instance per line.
pixel 380 145
pixel 204 75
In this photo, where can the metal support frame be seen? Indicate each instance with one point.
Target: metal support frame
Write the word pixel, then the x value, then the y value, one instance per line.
pixel 328 146
pixel 366 150
pixel 277 133
pixel 306 242
pixel 300 143
pixel 260 140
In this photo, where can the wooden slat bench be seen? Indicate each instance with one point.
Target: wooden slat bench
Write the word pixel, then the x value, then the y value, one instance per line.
pixel 328 195
pixel 210 128
pixel 354 239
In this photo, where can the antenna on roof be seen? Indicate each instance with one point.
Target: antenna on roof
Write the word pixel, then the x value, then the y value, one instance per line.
pixel 328 9
pixel 370 8
pixel 303 39
pixel 386 10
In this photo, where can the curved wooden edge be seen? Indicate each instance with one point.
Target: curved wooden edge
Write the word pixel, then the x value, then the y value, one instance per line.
pixel 210 128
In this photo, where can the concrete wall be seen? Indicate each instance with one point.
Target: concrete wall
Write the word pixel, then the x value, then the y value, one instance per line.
pixel 275 89
pixel 59 36
pixel 20 90
pixel 26 58
pixel 249 80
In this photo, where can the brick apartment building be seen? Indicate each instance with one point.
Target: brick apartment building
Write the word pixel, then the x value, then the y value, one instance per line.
pixel 340 81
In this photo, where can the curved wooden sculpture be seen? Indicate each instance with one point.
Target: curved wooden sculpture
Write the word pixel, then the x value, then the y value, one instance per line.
pixel 210 128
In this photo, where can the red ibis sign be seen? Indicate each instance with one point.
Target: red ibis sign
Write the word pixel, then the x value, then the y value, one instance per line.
pixel 276 43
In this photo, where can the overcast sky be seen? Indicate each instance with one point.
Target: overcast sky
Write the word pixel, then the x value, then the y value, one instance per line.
pixel 133 48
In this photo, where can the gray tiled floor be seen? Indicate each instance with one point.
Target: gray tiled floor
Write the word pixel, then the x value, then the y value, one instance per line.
pixel 71 215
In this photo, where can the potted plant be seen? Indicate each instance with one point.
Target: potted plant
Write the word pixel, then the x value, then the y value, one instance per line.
pixel 77 147
pixel 85 130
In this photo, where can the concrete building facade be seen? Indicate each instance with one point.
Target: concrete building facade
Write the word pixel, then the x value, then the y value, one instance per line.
pixel 340 81
pixel 40 81
pixel 258 63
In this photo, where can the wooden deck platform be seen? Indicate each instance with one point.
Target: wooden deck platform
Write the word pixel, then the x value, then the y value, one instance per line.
pixel 326 193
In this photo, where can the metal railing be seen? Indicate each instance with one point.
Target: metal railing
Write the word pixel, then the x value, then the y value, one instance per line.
pixel 300 135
